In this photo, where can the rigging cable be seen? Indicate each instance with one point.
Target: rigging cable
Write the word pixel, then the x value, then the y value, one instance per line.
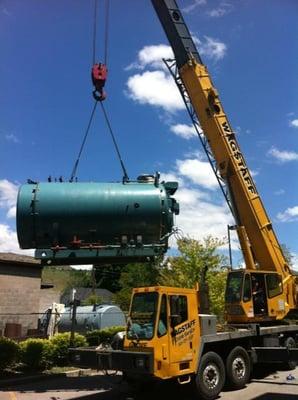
pixel 107 13
pixel 107 31
pixel 101 96
pixel 94 32
pixel 125 176
pixel 74 171
pixel 106 39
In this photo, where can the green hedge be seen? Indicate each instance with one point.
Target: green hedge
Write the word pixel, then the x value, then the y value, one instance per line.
pixel 98 336
pixel 37 354
pixel 40 354
pixel 60 343
pixel 9 352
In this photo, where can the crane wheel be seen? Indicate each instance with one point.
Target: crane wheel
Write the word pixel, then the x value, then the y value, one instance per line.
pixel 210 377
pixel 238 367
pixel 290 343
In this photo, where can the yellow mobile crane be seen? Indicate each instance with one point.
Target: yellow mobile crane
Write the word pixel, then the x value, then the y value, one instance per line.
pixel 166 337
pixel 266 290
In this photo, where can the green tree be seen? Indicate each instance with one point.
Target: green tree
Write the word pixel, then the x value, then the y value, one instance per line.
pixel 287 254
pixel 199 262
pixel 108 276
pixel 65 278
pixel 91 300
pixel 135 275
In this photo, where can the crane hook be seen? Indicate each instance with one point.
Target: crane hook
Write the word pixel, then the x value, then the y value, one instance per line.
pixel 99 76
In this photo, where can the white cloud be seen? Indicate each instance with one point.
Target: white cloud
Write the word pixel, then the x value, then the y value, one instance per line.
pixel 279 192
pixel 9 241
pixel 153 55
pixel 203 218
pixel 193 5
pixel 199 215
pixel 294 123
pixel 184 131
pixel 6 12
pixel 212 48
pixel 82 267
pixel 295 261
pixel 289 215
pixel 155 88
pixel 12 212
pixel 223 9
pixel 283 155
pixel 8 197
pixel 190 196
pixel 10 137
pixel 199 172
pixel 171 177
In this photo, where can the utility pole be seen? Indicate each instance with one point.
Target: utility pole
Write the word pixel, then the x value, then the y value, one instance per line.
pixel 74 303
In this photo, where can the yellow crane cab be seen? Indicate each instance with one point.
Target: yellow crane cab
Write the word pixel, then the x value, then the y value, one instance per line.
pixel 256 296
pixel 164 321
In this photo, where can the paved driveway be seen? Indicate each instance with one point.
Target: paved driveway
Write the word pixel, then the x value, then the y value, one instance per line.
pixel 265 385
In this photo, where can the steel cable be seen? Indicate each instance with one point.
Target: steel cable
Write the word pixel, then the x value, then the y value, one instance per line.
pixel 125 176
pixel 74 171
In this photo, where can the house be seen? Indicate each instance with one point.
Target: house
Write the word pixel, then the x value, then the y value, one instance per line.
pixel 82 294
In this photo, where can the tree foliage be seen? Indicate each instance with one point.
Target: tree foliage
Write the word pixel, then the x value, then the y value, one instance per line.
pixel 92 300
pixel 37 354
pixel 108 276
pixel 287 254
pixel 135 275
pixel 198 262
pixel 64 278
pixel 9 352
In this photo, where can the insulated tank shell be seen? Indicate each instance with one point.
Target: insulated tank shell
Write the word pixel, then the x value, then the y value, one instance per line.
pixel 92 317
pixel 64 214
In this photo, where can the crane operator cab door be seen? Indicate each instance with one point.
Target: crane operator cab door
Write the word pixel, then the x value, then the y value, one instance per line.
pixel 184 331
pixel 254 297
pixel 258 291
pixel 164 321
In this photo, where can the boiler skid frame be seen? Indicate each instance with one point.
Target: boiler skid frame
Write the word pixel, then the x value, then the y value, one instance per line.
pixel 102 255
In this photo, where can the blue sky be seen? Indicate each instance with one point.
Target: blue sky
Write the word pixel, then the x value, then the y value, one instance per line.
pixel 250 48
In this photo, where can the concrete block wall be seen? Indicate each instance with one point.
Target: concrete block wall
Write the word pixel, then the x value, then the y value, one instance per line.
pixel 47 298
pixel 19 295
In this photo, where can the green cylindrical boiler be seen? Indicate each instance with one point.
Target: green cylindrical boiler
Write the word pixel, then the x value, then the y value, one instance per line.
pixel 77 215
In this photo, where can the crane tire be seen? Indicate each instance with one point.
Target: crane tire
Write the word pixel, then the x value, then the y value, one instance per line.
pixel 238 367
pixel 290 343
pixel 210 377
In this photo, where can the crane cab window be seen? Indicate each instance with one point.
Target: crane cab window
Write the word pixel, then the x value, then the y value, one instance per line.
pixel 234 287
pixel 162 326
pixel 178 306
pixel 247 288
pixel 143 316
pixel 274 285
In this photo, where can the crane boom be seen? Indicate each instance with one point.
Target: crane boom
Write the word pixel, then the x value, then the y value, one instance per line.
pixel 264 251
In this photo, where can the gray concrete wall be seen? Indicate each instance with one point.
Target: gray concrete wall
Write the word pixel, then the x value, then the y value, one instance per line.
pixel 47 298
pixel 19 295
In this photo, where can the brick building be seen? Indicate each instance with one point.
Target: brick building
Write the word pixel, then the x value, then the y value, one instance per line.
pixel 20 291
